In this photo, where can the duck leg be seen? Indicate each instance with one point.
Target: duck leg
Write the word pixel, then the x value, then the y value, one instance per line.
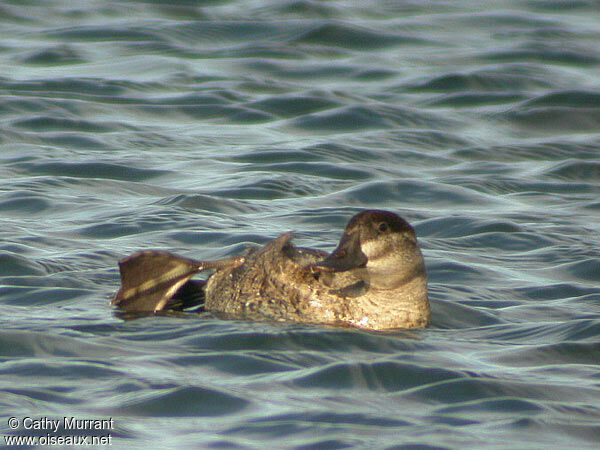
pixel 150 279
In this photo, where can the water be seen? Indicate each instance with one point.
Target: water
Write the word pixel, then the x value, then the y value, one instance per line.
pixel 200 127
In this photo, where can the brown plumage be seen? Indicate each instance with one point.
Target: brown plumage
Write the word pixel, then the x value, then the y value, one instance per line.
pixel 374 279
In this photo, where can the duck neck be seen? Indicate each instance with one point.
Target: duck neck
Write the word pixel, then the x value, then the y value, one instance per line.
pixel 406 306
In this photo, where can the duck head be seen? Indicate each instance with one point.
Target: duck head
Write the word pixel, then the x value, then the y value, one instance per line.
pixel 380 248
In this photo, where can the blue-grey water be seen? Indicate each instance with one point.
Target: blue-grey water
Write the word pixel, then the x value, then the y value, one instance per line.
pixel 202 127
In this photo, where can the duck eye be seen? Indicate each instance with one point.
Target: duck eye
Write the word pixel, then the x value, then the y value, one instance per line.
pixel 383 226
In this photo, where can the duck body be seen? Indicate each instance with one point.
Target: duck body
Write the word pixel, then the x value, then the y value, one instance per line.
pixel 375 279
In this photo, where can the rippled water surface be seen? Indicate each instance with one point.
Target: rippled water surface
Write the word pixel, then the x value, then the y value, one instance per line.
pixel 201 127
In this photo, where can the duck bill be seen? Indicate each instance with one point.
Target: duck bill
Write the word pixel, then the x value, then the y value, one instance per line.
pixel 347 256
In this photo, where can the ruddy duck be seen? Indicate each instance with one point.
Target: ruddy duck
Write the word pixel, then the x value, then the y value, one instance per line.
pixel 374 279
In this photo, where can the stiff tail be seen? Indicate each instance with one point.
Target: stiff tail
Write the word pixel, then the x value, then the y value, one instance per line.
pixel 155 280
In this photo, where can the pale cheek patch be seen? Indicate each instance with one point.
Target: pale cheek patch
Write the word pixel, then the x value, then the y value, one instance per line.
pixel 373 249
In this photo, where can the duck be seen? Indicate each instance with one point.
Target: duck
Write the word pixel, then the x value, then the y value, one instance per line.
pixel 375 279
